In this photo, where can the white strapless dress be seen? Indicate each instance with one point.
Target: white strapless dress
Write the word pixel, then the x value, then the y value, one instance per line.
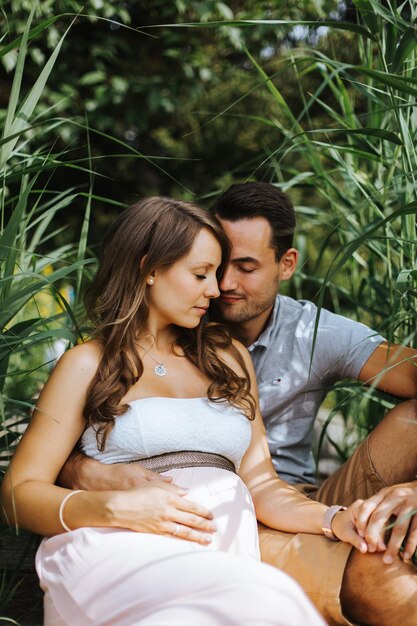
pixel 116 577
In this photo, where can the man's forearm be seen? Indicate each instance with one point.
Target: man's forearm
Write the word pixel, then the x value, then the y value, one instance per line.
pixel 83 472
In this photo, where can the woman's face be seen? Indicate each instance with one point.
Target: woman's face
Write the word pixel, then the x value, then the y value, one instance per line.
pixel 181 294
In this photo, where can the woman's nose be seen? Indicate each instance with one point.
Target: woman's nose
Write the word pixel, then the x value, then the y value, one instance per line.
pixel 228 281
pixel 212 290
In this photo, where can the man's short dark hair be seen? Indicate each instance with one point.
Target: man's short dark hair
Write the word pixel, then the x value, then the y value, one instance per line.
pixel 248 200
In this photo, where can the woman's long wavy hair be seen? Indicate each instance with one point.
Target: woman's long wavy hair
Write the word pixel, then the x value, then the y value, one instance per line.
pixel 152 234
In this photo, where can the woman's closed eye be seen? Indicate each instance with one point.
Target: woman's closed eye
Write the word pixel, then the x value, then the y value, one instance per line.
pixel 200 276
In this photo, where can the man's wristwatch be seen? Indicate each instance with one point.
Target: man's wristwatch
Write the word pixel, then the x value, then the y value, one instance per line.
pixel 327 522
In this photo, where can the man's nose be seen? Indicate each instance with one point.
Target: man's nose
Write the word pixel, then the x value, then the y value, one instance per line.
pixel 228 281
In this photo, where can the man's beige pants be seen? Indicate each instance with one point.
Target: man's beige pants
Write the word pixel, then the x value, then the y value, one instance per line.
pixel 315 562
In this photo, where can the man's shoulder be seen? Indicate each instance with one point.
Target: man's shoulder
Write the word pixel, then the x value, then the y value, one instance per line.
pixel 292 310
pixel 291 303
pixel 306 321
pixel 304 318
pixel 291 319
pixel 307 310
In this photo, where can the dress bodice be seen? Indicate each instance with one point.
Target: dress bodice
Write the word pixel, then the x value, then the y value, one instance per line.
pixel 153 426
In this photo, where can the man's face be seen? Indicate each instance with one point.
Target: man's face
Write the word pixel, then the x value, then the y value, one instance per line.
pixel 253 276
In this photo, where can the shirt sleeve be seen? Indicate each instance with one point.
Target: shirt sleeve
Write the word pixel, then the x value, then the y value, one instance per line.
pixel 342 346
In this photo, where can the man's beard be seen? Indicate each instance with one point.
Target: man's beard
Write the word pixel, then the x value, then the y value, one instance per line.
pixel 244 312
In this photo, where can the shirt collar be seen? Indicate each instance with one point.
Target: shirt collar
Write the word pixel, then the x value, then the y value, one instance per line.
pixel 264 337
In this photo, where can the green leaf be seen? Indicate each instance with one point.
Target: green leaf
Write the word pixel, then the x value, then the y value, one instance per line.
pixel 380 133
pixel 346 252
pixel 21 120
pixel 17 81
pixel 390 14
pixel 391 42
pixel 44 219
pixel 8 240
pixel 402 84
pixel 407 44
pixel 93 78
pixel 367 14
pixel 402 287
pixel 224 10
pixel 345 26
pixel 82 246
pixel 37 30
pixel 18 298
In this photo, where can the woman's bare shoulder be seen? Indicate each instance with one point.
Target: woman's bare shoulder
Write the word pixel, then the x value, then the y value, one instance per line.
pixel 84 358
pixel 70 379
pixel 231 355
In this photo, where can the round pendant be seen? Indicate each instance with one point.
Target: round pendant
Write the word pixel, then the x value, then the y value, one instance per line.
pixel 159 370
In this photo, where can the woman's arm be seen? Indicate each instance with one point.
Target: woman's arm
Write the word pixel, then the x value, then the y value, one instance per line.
pixel 30 498
pixel 278 504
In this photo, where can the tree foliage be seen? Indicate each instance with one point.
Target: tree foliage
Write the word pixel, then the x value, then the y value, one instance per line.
pixel 186 98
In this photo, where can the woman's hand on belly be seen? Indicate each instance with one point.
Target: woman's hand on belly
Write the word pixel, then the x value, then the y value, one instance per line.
pixel 161 509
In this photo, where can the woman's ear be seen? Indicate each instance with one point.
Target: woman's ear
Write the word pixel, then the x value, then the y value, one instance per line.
pixel 151 278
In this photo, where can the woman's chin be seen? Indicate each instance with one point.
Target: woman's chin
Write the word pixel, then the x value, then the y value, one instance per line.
pixel 189 323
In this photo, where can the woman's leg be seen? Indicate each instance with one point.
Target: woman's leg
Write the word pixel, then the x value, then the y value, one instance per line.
pixel 127 579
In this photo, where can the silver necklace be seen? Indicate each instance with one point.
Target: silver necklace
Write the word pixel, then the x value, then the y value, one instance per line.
pixel 159 369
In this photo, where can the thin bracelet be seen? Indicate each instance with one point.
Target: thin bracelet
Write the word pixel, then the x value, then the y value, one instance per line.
pixel 61 508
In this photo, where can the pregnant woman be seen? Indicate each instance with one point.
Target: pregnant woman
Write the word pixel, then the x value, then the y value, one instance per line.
pixel 158 385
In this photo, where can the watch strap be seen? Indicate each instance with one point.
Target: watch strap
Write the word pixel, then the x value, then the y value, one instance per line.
pixel 327 521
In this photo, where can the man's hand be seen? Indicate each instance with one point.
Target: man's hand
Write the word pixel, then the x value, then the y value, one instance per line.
pixel 82 472
pixel 374 517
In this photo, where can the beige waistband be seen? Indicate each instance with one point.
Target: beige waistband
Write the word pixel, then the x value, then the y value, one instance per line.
pixel 185 458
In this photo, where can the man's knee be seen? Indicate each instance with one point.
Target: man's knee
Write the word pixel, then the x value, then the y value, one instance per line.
pixel 393 444
pixel 374 593
pixel 404 415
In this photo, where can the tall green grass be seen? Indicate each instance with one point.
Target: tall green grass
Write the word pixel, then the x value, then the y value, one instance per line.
pixel 35 310
pixel 358 175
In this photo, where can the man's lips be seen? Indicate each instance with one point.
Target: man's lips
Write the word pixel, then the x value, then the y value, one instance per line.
pixel 230 299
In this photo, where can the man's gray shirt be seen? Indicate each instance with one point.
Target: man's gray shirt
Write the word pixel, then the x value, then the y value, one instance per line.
pixel 291 388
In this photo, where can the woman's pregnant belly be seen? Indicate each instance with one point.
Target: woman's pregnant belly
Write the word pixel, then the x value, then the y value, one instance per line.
pixel 228 498
pixel 70 564
pixel 71 555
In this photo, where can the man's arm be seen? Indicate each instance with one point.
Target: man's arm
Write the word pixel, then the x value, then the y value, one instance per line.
pixel 392 368
pixel 82 472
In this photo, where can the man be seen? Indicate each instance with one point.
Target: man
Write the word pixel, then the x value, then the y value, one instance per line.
pixel 293 380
